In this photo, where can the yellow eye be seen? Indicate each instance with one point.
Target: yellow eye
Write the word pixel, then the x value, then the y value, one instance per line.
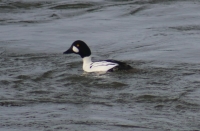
pixel 77 45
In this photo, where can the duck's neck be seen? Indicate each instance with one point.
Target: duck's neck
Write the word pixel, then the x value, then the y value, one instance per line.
pixel 87 60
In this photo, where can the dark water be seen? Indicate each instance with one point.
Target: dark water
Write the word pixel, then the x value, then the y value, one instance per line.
pixel 42 89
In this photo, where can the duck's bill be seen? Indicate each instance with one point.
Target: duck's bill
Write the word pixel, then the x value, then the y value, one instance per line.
pixel 69 51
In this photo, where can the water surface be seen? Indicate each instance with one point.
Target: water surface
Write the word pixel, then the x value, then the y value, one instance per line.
pixel 42 89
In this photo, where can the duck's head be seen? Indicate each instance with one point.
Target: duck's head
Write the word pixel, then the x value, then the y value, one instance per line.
pixel 79 47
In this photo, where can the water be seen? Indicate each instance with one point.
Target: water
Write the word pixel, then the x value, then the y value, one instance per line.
pixel 42 89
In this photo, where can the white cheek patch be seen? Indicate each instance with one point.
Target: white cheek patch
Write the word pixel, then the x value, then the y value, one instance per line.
pixel 75 49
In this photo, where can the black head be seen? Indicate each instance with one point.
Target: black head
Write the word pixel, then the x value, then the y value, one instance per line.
pixel 79 47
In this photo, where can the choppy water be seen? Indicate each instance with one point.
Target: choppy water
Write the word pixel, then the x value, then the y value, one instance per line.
pixel 42 89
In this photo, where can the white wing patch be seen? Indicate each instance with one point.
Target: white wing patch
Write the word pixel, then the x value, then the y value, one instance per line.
pixel 102 63
pixel 102 66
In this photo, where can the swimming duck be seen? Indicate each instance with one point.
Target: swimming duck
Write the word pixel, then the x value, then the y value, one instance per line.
pixel 81 48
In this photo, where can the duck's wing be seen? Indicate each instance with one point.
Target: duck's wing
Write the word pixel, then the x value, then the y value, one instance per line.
pixel 102 65
pixel 120 66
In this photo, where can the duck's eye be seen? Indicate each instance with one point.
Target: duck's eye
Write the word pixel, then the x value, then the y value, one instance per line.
pixel 77 45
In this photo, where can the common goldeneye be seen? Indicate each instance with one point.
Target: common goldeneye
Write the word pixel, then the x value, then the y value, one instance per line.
pixel 81 48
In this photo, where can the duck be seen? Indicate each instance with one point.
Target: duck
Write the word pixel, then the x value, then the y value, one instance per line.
pixel 81 48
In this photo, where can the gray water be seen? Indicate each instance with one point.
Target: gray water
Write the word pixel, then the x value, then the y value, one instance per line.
pixel 42 89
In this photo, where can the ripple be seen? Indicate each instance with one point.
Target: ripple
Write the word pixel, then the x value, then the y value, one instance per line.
pixel 72 6
pixel 187 28
pixel 9 103
pixel 22 5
